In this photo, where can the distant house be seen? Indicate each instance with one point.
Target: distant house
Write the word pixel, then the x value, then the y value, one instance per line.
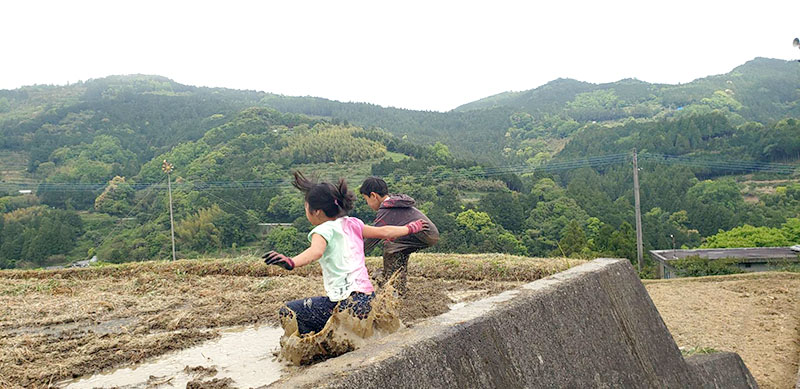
pixel 749 259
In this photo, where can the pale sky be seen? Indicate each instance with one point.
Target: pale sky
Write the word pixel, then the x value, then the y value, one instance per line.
pixel 429 55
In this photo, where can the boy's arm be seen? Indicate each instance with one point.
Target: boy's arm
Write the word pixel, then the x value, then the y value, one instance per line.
pixel 391 232
pixel 369 243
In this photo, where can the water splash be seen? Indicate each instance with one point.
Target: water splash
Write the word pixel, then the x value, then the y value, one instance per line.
pixel 343 332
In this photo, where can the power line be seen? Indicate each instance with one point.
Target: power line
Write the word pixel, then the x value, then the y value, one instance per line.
pixel 141 201
pixel 733 165
pixel 236 207
pixel 478 172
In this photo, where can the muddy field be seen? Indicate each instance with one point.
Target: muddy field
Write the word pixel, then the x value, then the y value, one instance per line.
pixel 56 325
pixel 754 315
pixel 61 324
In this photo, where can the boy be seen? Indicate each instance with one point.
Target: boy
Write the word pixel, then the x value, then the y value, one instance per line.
pixel 396 210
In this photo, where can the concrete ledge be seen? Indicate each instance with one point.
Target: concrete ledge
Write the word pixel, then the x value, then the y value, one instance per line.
pixel 721 370
pixel 591 326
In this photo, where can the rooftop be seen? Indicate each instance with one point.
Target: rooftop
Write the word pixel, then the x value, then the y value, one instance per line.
pixel 748 253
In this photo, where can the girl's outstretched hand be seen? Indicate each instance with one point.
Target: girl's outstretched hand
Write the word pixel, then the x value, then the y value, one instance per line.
pixel 276 258
pixel 417 226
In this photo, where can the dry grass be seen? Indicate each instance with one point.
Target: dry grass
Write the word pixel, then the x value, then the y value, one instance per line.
pixel 66 323
pixel 754 315
pixel 494 267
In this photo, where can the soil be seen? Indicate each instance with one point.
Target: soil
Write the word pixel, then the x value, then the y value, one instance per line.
pixel 201 371
pixel 57 325
pixel 754 315
pixel 216 383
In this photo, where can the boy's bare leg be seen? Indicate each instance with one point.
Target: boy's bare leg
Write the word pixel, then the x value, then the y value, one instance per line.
pixel 396 263
pixel 396 253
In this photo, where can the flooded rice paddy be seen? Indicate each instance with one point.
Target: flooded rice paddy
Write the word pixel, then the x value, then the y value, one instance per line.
pixel 241 356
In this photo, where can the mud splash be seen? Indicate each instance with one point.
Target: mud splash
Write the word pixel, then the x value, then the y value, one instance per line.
pixel 241 357
pixel 343 332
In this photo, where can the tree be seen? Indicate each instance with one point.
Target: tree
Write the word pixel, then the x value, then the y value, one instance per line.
pixel 662 230
pixel 198 231
pixel 4 264
pixel 35 234
pixel 596 105
pixel 791 230
pixel 441 152
pixel 504 242
pixel 474 221
pixel 286 240
pixel 286 207
pixel 326 143
pixel 116 198
pixel 550 220
pixel 505 208
pixel 574 240
pixel 747 236
pixel 623 242
pixel 714 205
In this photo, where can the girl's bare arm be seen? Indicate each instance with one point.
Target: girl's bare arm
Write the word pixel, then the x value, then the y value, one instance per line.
pixel 313 253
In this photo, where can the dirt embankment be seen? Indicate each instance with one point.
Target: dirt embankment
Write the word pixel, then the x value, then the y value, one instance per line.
pixel 754 315
pixel 68 323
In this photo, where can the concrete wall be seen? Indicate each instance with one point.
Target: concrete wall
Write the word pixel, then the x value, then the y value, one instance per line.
pixel 590 326
pixel 721 370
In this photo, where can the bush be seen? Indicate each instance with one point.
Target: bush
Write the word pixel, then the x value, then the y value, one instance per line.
pixel 286 240
pixel 694 266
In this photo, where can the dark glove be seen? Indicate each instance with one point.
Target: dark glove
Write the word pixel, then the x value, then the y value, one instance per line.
pixel 417 226
pixel 275 258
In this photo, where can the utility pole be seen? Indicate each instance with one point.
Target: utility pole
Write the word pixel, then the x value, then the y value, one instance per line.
pixel 638 211
pixel 167 168
pixel 673 244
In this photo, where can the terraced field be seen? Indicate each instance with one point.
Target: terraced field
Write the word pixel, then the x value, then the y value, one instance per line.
pixel 61 324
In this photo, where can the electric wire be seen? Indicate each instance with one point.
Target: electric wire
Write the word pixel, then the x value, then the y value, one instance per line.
pixel 475 172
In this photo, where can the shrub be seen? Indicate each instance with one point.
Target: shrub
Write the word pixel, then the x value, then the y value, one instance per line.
pixel 694 266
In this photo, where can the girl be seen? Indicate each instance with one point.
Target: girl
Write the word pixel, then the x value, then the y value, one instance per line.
pixel 337 241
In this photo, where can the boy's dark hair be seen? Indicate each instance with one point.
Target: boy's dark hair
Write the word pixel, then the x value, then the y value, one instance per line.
pixel 334 200
pixel 374 184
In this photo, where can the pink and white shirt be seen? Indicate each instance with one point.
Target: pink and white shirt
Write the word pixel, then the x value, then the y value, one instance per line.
pixel 343 267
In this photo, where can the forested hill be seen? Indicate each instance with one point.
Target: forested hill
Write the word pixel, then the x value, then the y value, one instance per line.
pixel 151 114
pixel 147 114
pixel 164 113
pixel 765 88
pixel 516 126
pixel 542 172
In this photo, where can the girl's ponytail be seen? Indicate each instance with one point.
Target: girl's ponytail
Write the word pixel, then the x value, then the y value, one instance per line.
pixel 334 200
pixel 302 183
pixel 345 198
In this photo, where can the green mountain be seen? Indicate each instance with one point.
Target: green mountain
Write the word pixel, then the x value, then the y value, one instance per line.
pixel 151 114
pixel 766 88
pixel 541 172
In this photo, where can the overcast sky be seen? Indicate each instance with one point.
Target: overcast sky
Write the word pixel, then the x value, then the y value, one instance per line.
pixel 430 55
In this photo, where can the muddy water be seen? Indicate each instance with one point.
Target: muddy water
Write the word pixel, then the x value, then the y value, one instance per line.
pixel 243 354
pixel 344 331
pixel 460 298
